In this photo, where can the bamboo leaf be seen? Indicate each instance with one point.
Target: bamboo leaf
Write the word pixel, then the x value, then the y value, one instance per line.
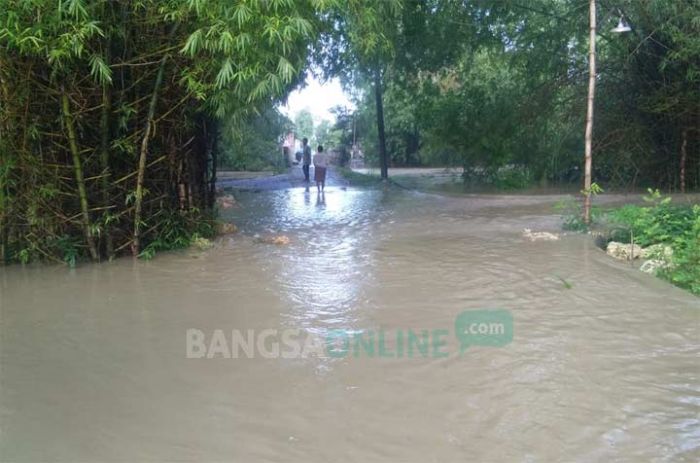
pixel 99 70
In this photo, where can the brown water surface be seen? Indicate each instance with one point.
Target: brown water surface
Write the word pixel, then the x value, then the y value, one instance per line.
pixel 93 364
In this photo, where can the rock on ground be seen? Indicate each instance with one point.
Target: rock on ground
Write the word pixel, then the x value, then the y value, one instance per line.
pixel 226 228
pixel 624 251
pixel 652 266
pixel 662 252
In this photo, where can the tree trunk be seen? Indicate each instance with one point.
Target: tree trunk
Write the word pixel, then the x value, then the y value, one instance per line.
pixel 589 116
pixel 77 165
pixel 105 138
pixel 684 157
pixel 380 124
pixel 138 202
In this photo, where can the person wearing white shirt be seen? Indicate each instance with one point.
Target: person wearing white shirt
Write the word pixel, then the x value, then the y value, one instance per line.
pixel 320 167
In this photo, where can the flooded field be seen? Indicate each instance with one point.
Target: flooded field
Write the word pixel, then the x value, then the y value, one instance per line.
pixel 603 364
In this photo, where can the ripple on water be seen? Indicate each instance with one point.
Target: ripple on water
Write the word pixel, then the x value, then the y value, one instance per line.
pixel 602 369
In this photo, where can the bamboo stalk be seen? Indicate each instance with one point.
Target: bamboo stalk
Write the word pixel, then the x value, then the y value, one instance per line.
pixel 77 164
pixel 138 203
pixel 104 163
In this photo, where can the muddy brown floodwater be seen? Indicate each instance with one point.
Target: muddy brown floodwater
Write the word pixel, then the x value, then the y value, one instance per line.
pixel 94 363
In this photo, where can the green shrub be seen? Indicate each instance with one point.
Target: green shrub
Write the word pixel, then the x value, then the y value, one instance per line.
pixel 661 222
pixel 571 211
pixel 664 223
pixel 501 178
pixel 685 268
pixel 512 178
pixel 177 230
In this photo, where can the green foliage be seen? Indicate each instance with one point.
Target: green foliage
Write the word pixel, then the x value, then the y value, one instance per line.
pixel 68 247
pixel 325 135
pixel 662 222
pixel 685 269
pixel 157 80
pixel 64 248
pixel 490 84
pixel 249 52
pixel 572 216
pixel 504 178
pixel 658 223
pixel 495 87
pixel 253 143
pixel 178 230
pixel 594 190
pixel 513 178
pixel 304 125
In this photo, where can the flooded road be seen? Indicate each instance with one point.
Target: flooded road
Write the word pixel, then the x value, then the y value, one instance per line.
pixel 605 367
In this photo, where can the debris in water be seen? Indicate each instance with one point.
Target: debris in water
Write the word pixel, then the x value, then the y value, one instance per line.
pixel 539 236
pixel 279 240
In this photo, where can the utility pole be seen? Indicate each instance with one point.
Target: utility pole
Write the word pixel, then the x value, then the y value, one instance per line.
pixel 589 115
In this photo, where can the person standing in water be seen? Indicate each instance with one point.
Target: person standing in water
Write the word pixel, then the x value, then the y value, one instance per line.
pixel 320 167
pixel 306 162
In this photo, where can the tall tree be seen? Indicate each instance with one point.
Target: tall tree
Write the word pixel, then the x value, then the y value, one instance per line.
pixel 304 124
pixel 360 47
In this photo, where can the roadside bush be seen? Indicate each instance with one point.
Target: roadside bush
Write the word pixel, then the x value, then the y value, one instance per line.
pixel 512 178
pixel 686 259
pixel 664 223
pixel 178 230
pixel 661 222
pixel 501 178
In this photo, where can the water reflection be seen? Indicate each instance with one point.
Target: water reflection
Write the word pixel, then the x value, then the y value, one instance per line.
pixel 325 271
pixel 93 364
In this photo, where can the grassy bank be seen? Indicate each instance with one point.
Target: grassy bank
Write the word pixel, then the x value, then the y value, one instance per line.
pixel 658 221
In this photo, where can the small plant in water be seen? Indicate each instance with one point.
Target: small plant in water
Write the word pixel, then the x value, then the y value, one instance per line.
pixel 570 210
pixel 564 282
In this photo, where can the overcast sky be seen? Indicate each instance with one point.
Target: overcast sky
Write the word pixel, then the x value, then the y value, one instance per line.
pixel 317 98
